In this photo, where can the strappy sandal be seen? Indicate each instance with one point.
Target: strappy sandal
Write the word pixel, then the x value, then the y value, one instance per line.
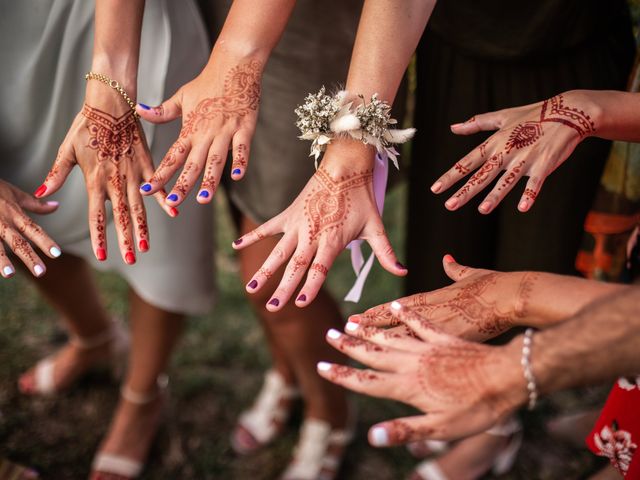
pixel 116 335
pixel 265 420
pixel 502 462
pixel 320 450
pixel 108 464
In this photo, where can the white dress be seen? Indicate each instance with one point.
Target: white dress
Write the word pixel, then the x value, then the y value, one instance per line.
pixel 45 51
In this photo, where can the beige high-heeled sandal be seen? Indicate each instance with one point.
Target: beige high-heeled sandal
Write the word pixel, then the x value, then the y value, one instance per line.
pixel 502 463
pixel 267 416
pixel 109 463
pixel 116 335
pixel 320 450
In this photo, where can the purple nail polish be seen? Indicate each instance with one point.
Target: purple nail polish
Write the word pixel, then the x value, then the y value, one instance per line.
pixel 173 197
pixel 236 171
pixel 253 284
pixel 275 302
pixel 237 242
pixel 146 187
pixel 146 107
pixel 302 298
pixel 401 266
pixel 204 194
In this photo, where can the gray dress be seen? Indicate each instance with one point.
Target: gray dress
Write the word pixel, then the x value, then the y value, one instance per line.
pixel 45 50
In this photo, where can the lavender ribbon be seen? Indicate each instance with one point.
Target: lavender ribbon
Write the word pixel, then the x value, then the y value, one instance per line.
pixel 360 267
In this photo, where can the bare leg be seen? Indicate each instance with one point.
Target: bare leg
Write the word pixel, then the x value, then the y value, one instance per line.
pixel 155 333
pixel 297 337
pixel 70 288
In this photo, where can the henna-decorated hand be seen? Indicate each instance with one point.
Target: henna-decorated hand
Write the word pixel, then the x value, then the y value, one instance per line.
pixel 219 108
pixel 531 141
pixel 336 206
pixel 16 228
pixel 462 387
pixel 482 304
pixel 108 144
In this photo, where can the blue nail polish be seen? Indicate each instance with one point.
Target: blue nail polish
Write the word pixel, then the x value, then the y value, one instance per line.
pixel 173 197
pixel 146 107
pixel 204 194
pixel 146 187
pixel 236 171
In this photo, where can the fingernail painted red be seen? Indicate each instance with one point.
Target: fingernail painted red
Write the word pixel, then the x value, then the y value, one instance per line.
pixel 101 254
pixel 40 191
pixel 174 212
pixel 144 245
pixel 449 259
pixel 130 258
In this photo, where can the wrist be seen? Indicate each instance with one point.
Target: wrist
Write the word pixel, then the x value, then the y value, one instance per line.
pixel 588 102
pixel 239 50
pixel 506 381
pixel 347 154
pixel 123 70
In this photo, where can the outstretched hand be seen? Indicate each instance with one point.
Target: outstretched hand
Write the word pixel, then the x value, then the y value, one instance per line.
pixel 531 141
pixel 218 109
pixel 462 387
pixel 336 206
pixel 17 230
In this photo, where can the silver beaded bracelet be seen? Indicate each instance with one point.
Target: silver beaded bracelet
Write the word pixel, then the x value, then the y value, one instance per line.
pixel 532 387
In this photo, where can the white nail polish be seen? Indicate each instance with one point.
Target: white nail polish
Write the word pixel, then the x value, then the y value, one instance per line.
pixel 379 437
pixel 53 203
pixel 8 271
pixel 334 334
pixel 38 270
pixel 55 252
pixel 395 305
pixel 351 326
pixel 324 366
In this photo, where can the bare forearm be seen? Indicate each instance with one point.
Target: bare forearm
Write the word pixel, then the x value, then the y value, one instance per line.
pixel 388 34
pixel 601 343
pixel 252 29
pixel 554 298
pixel 116 48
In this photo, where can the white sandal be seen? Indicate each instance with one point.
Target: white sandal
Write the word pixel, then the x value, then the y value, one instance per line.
pixel 267 417
pixel 116 335
pixel 320 451
pixel 109 463
pixel 502 463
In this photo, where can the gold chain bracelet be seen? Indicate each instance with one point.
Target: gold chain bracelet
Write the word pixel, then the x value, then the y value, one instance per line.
pixel 115 85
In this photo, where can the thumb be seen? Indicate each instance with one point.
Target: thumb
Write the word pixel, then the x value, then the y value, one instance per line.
pixel 384 251
pixel 479 123
pixel 169 110
pixel 454 270
pixel 64 163
pixel 32 204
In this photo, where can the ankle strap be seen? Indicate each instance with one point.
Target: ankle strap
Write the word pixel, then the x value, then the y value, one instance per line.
pixel 98 340
pixel 138 398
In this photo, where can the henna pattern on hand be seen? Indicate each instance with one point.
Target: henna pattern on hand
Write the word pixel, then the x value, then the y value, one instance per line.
pixel 100 228
pixel 120 207
pixel 341 371
pixel 112 137
pixel 530 194
pixel 482 175
pixel 328 206
pixel 319 269
pixel 451 374
pixel 21 247
pixel 267 273
pixel 353 342
pixel 461 169
pixel 240 159
pixel 241 97
pixel 483 148
pixel 553 110
pixel 209 179
pixel 511 176
pixel 523 135
pixel 141 221
pixel 299 262
pixel 170 159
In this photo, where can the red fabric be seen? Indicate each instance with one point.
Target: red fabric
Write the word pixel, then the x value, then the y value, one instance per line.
pixel 616 434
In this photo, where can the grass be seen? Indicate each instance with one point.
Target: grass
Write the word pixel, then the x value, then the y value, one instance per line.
pixel 215 372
